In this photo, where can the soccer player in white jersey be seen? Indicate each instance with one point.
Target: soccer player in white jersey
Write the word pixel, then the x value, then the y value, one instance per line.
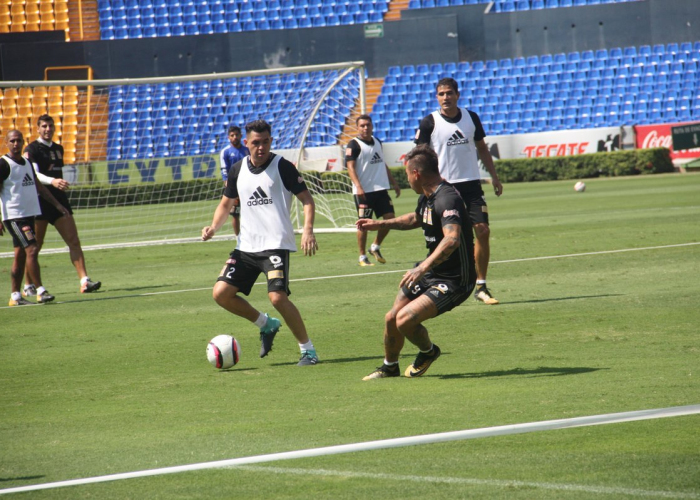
pixel 439 283
pixel 370 176
pixel 264 183
pixel 19 204
pixel 456 134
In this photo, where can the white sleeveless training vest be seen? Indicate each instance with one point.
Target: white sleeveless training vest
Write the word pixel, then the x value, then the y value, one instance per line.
pixel 371 168
pixel 18 197
pixel 454 145
pixel 265 206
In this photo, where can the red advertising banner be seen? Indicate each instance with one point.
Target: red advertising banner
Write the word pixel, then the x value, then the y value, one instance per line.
pixel 659 136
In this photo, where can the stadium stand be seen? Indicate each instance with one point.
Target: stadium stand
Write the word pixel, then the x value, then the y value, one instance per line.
pixel 511 5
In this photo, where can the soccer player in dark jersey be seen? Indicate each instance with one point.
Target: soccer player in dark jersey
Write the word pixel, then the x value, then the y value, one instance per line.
pixel 439 283
pixel 263 183
pixel 47 157
pixel 456 134
pixel 231 154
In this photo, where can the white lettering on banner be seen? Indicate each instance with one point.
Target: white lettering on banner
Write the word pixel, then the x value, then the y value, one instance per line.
pixel 543 150
pixel 653 140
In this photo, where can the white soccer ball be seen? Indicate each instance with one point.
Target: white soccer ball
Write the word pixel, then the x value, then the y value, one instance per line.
pixel 580 187
pixel 223 351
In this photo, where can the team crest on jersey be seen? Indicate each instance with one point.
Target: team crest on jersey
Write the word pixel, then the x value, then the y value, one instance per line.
pixel 428 216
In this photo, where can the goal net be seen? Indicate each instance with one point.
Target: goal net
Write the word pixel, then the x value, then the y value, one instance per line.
pixel 142 155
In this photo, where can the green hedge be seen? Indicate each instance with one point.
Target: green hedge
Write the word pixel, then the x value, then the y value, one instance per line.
pixel 617 163
pixel 634 162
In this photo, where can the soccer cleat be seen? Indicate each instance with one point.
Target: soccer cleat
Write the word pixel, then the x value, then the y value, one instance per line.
pixel 267 335
pixel 44 298
pixel 378 255
pixel 19 302
pixel 484 295
pixel 422 363
pixel 384 371
pixel 308 358
pixel 364 261
pixel 90 286
pixel 29 291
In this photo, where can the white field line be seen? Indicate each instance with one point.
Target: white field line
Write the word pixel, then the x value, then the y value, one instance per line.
pixel 496 483
pixel 443 437
pixel 355 275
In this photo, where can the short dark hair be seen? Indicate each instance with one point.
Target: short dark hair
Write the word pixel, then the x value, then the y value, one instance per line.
pixel 234 128
pixel 363 117
pixel 423 159
pixel 258 126
pixel 448 82
pixel 44 118
pixel 13 131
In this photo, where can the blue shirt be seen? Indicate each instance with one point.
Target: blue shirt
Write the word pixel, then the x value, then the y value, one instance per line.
pixel 229 156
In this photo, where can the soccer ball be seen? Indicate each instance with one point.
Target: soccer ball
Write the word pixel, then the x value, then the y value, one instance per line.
pixel 580 187
pixel 223 351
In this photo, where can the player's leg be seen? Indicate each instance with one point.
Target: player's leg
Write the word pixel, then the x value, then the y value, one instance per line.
pixel 69 232
pixel 482 250
pixel 393 340
pixel 226 296
pixel 383 207
pixel 40 227
pixel 364 211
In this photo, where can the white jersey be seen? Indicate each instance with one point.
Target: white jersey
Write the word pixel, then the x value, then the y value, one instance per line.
pixel 265 207
pixel 454 145
pixel 18 196
pixel 371 167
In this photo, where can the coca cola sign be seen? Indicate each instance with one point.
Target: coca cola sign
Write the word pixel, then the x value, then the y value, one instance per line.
pixel 659 136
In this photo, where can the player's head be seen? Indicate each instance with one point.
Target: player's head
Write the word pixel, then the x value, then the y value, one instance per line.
pixel 365 127
pixel 421 167
pixel 447 94
pixel 259 141
pixel 14 140
pixel 234 136
pixel 46 127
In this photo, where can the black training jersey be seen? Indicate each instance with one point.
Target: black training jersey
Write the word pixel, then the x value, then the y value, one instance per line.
pixel 443 207
pixel 291 178
pixel 48 158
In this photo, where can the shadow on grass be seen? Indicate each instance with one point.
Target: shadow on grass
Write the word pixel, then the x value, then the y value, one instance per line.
pixel 556 299
pixel 20 478
pixel 542 371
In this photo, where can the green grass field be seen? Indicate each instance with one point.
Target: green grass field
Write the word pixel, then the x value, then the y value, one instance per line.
pixel 599 314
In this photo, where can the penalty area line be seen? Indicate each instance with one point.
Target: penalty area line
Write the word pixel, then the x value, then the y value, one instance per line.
pixel 548 425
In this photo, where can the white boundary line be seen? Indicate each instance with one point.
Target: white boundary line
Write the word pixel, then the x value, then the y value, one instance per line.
pixel 498 483
pixel 610 418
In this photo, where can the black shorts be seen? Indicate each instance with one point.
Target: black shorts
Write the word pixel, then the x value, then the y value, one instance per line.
pixel 50 213
pixel 376 202
pixel 243 268
pixel 445 293
pixel 22 231
pixel 474 199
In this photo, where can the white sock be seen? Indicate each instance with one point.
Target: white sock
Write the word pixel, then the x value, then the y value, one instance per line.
pixel 363 257
pixel 84 279
pixel 390 363
pixel 309 346
pixel 28 285
pixel 431 348
pixel 262 319
pixel 40 290
pixel 374 247
pixel 480 282
pixel 16 296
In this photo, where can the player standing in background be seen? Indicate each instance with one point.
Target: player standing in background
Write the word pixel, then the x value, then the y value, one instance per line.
pixel 264 183
pixel 19 204
pixel 364 159
pixel 439 283
pixel 230 155
pixel 456 134
pixel 47 157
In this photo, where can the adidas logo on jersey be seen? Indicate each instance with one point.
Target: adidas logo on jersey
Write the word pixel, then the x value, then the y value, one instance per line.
pixel 28 180
pixel 259 198
pixel 457 138
pixel 376 159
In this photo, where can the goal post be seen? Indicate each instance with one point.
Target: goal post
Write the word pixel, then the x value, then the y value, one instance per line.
pixel 142 155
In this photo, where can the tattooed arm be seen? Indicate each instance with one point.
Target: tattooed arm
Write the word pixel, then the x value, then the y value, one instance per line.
pixel 447 246
pixel 404 222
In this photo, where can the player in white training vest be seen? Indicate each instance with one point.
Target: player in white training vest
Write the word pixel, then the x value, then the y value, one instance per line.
pixel 263 183
pixel 456 135
pixel 19 205
pixel 370 176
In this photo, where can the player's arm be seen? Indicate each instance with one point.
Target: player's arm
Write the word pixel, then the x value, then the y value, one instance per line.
pixel 46 194
pixel 308 238
pixel 487 160
pixel 220 216
pixel 392 181
pixel 223 166
pixel 4 174
pixel 351 154
pixel 450 243
pixel 425 130
pixel 402 223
